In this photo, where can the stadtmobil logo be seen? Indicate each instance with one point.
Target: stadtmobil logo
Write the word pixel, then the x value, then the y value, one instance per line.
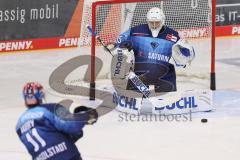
pixel 14 46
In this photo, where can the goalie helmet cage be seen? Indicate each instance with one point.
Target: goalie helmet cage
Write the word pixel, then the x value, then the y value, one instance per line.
pixel 97 6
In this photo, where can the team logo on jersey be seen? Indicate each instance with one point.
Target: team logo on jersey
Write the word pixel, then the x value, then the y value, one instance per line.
pixel 154 45
pixel 171 37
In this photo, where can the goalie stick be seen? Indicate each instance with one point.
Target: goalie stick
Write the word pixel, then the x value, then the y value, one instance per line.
pixel 132 76
pixel 99 39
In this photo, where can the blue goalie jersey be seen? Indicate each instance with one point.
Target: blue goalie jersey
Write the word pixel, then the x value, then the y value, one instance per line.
pixel 47 136
pixel 152 55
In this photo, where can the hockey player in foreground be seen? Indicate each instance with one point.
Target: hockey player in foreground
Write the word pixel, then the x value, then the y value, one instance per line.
pixel 154 45
pixel 46 135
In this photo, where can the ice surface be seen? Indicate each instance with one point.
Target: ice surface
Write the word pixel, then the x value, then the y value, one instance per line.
pixel 113 139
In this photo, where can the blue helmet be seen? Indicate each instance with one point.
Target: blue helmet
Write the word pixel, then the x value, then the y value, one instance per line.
pixel 33 94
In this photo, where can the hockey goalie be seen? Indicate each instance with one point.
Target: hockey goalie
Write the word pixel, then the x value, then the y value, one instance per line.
pixel 154 45
pixel 152 51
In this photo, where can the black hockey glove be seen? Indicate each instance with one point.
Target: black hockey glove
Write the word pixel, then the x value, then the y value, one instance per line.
pixel 92 113
pixel 76 137
pixel 126 45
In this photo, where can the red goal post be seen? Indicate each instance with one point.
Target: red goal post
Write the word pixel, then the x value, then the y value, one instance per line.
pixel 192 32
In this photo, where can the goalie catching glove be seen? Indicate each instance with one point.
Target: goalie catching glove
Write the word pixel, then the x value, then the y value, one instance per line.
pixel 91 113
pixel 183 53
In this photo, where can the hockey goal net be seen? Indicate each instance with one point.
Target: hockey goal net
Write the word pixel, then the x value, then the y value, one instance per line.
pixel 193 19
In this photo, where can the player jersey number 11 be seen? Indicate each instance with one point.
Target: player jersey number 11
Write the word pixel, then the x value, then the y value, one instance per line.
pixel 32 139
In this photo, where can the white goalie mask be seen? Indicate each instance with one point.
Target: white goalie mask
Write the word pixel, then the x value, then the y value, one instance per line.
pixel 156 20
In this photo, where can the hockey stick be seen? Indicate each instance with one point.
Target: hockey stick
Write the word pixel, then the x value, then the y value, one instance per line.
pixel 99 39
pixel 132 76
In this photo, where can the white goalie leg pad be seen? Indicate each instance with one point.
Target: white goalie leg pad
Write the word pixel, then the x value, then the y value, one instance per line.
pixel 126 101
pixel 184 102
pixel 172 103
pixel 123 62
pixel 183 53
pixel 181 102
